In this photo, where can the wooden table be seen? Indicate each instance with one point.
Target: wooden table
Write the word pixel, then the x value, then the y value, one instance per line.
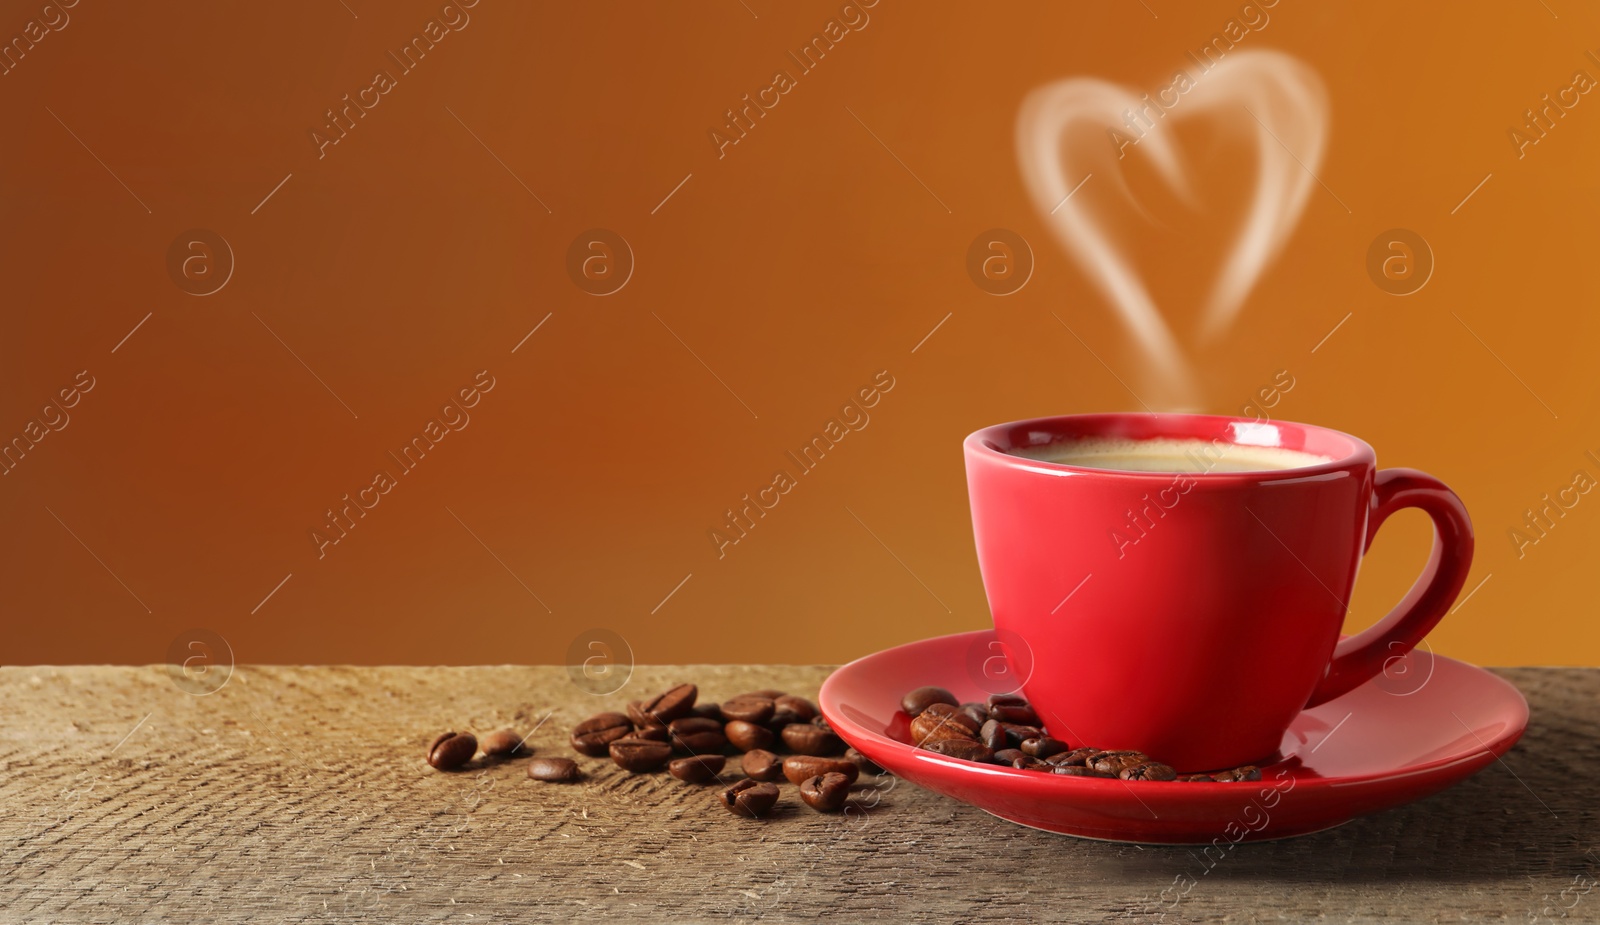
pixel 300 794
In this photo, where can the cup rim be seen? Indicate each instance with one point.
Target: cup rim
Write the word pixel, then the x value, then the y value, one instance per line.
pixel 994 441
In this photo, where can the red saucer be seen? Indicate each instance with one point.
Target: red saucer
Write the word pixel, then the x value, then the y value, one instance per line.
pixel 1395 739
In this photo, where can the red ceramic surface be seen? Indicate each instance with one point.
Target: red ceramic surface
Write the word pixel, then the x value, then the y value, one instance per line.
pixel 1427 723
pixel 1193 615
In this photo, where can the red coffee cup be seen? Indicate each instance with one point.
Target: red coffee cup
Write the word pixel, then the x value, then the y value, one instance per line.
pixel 1192 614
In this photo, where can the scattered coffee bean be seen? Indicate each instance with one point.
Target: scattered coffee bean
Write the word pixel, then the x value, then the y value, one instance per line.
pixel 811 739
pixel 654 734
pixel 801 767
pixel 1043 747
pixel 696 735
pixel 592 736
pixel 504 743
pixel 746 736
pixel 699 769
pixel 1149 770
pixel 1080 771
pixel 767 694
pixel 452 750
pixel 826 792
pixel 867 765
pixel 1007 755
pixel 640 718
pixel 671 704
pixel 632 753
pixel 1114 762
pixel 554 770
pixel 709 711
pixel 958 747
pixel 799 709
pixel 748 709
pixel 1008 713
pixel 749 798
pixel 923 697
pixel 992 734
pixel 762 765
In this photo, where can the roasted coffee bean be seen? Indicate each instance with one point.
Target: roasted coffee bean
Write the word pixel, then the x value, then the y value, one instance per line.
pixel 1080 771
pixel 825 792
pixel 977 711
pixel 671 704
pixel 700 769
pixel 1009 700
pixel 1008 713
pixel 932 726
pixel 803 710
pixel 632 753
pixel 766 694
pixel 993 735
pixel 1196 778
pixel 800 767
pixel 504 743
pixel 746 736
pixel 452 750
pixel 1016 733
pixel 1074 758
pixel 697 735
pixel 749 798
pixel 1007 755
pixel 1043 747
pixel 923 697
pixel 709 711
pixel 867 765
pixel 956 747
pixel 1148 770
pixel 554 770
pixel 811 739
pixel 641 719
pixel 1113 762
pixel 748 709
pixel 592 736
pixel 654 734
pixel 1243 772
pixel 760 764
pixel 1029 763
pixel 692 724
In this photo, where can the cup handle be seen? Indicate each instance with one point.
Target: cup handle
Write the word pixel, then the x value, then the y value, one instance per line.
pixel 1359 658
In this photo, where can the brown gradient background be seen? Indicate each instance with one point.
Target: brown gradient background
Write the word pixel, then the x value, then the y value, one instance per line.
pixel 796 267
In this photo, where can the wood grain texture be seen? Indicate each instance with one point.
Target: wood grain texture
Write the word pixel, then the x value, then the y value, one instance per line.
pixel 300 795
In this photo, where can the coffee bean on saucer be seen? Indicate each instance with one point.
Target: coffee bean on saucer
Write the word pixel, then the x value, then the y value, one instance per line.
pixel 826 792
pixel 1007 755
pixel 1074 758
pixel 632 753
pixel 749 798
pixel 811 739
pixel 698 769
pixel 1008 700
pixel 959 747
pixel 554 770
pixel 801 767
pixel 865 764
pixel 1043 747
pixel 592 736
pixel 452 750
pixel 1029 763
pixel 504 743
pixel 978 712
pixel 1148 770
pixel 671 704
pixel 932 726
pixel 1016 734
pixel 1196 778
pixel 1080 771
pixel 992 734
pixel 1114 762
pixel 748 708
pixel 1009 713
pixel 762 765
pixel 746 736
pixel 923 697
pixel 799 709
pixel 1244 772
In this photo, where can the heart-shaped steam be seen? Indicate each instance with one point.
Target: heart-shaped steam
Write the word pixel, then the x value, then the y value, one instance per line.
pixel 1280 96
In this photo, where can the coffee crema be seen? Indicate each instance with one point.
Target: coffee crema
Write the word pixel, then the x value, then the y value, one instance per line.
pixel 1168 454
